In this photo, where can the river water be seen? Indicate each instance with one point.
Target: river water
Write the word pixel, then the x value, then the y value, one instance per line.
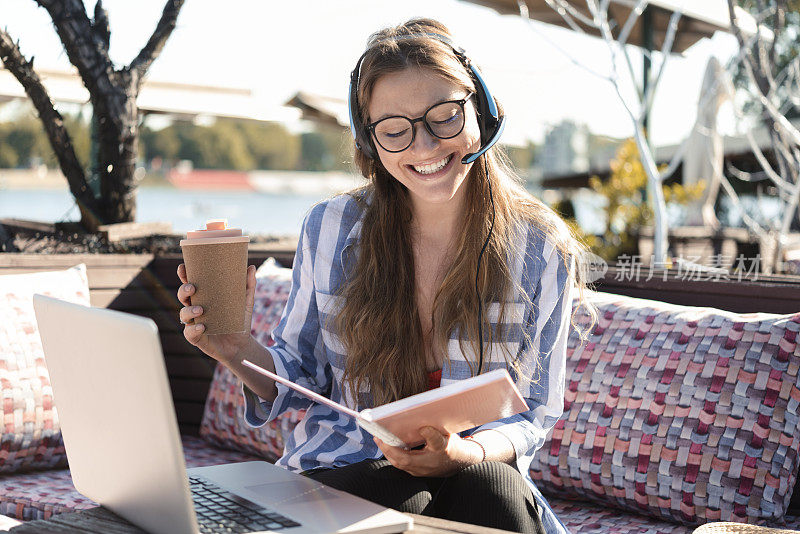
pixel 259 212
pixel 254 212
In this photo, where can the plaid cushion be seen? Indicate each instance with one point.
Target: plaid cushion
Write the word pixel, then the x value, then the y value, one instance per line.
pixel 223 422
pixel 30 436
pixel 39 495
pixel 687 414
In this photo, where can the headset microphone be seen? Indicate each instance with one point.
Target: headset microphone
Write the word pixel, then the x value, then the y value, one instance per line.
pixel 469 158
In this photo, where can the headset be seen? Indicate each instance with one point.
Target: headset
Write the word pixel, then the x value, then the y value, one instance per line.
pixel 490 122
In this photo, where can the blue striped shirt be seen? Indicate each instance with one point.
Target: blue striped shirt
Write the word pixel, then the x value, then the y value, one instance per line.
pixel 313 356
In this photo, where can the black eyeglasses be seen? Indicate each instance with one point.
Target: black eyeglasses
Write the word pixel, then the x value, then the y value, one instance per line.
pixel 444 120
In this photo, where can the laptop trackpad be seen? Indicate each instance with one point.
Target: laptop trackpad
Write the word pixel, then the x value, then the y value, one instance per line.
pixel 293 492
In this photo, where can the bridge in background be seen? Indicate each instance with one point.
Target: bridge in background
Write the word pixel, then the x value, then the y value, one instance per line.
pixel 182 101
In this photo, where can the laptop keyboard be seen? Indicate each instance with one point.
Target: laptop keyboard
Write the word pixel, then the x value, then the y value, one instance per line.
pixel 220 511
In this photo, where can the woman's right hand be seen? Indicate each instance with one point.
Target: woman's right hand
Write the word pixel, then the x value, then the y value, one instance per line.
pixel 224 347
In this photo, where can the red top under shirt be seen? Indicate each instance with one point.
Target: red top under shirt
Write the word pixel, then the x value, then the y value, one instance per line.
pixel 434 379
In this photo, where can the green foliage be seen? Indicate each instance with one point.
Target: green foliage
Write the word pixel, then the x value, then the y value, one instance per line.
pixel 326 150
pixel 225 144
pixel 219 146
pixel 627 210
pixel 271 145
pixel 8 157
pixel 81 141
pixel 23 139
pixel 314 151
pixel 521 157
pixel 24 142
pixel 163 143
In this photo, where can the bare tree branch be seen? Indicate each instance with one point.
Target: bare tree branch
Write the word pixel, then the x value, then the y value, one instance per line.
pixel 84 47
pixel 574 26
pixel 141 63
pixel 762 159
pixel 600 14
pixel 744 47
pixel 665 50
pixel 100 25
pixel 766 87
pixel 525 14
pixel 577 14
pixel 749 221
pixel 781 122
pixel 746 176
pixel 764 57
pixel 57 134
pixel 634 15
pixel 794 83
pixel 780 23
pixel 676 160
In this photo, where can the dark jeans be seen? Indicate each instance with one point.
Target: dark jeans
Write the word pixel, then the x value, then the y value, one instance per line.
pixel 490 494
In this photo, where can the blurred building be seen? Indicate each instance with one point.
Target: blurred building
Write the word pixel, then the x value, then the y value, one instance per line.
pixel 570 148
pixel 565 149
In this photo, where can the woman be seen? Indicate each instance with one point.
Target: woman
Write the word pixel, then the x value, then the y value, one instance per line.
pixel 395 283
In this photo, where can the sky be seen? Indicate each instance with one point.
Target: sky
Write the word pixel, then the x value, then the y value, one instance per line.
pixel 279 48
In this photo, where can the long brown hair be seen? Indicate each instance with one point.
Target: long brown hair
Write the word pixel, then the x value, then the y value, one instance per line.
pixel 378 322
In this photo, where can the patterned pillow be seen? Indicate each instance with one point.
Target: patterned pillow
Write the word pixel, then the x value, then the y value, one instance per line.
pixel 30 436
pixel 223 422
pixel 687 414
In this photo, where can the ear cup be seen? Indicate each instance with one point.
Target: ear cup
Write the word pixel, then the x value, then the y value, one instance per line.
pixel 490 122
pixel 357 129
pixel 488 113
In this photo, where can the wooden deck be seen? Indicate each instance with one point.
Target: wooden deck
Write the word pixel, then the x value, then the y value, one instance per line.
pixel 767 293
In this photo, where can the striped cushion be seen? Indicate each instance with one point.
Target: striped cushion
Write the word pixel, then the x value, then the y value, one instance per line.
pixel 687 414
pixel 39 495
pixel 223 422
pixel 31 435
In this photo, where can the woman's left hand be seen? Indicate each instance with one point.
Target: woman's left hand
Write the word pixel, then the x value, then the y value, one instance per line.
pixel 443 454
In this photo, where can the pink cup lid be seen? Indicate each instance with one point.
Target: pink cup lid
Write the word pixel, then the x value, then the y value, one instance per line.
pixel 214 228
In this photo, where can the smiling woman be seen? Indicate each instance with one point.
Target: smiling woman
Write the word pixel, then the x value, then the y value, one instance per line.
pixel 442 267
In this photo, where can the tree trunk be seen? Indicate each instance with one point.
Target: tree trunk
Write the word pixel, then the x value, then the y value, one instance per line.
pixel 116 154
pixel 115 138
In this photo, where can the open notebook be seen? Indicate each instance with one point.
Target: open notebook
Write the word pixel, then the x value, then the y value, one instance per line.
pixel 452 408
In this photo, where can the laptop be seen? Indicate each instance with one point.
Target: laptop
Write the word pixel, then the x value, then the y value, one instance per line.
pixel 121 437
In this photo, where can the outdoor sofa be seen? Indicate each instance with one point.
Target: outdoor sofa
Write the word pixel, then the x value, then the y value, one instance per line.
pixel 674 416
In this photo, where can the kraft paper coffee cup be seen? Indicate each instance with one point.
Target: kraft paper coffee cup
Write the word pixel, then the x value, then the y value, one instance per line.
pixel 216 264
